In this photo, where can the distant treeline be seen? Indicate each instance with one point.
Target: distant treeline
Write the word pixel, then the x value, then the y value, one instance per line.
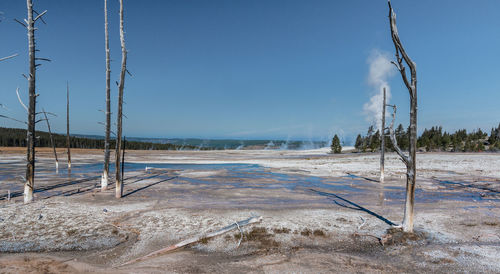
pixel 434 139
pixel 15 137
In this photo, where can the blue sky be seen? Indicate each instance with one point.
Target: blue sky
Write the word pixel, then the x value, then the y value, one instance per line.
pixel 255 69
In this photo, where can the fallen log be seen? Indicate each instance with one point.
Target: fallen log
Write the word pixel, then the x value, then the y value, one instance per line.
pixel 251 220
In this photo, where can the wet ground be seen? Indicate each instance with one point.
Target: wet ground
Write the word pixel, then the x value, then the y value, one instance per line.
pixel 311 223
pixel 213 177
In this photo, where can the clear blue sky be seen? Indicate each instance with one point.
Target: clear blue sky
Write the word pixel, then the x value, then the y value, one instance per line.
pixel 255 69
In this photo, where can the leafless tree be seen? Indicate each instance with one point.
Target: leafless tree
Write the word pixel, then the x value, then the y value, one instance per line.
pixel 382 139
pixel 411 85
pixel 29 24
pixel 105 173
pixel 51 138
pixel 68 141
pixel 119 180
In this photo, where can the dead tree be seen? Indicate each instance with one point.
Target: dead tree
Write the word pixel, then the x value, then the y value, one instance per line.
pixel 411 85
pixel 105 173
pixel 51 138
pixel 68 141
pixel 121 85
pixel 382 143
pixel 29 24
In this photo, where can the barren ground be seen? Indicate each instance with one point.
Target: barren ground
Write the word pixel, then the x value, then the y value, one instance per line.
pixel 74 227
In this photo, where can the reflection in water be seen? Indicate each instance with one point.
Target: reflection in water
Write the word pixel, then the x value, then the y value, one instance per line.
pixel 235 176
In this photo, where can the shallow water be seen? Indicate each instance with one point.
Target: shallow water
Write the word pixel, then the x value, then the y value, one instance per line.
pixel 237 176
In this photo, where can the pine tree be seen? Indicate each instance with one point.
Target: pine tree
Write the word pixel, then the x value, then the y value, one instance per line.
pixel 359 142
pixel 480 146
pixel 375 141
pixel 336 147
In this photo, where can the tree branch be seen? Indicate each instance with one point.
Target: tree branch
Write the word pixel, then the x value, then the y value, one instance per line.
pixel 7 117
pixel 36 122
pixel 43 59
pixel 399 49
pixel 8 57
pixel 46 112
pixel 39 16
pixel 394 141
pixel 20 101
pixel 21 23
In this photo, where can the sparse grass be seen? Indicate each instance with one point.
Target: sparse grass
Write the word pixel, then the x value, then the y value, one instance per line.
pixel 282 230
pixel 257 233
pixel 306 232
pixel 396 236
pixel 261 236
pixel 204 240
pixel 319 233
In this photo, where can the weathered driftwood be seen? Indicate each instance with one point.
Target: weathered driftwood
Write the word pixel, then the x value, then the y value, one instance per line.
pixel 51 138
pixel 68 141
pixel 411 85
pixel 251 220
pixel 105 172
pixel 119 116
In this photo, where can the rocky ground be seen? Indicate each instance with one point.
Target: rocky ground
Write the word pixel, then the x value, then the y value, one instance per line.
pixel 74 227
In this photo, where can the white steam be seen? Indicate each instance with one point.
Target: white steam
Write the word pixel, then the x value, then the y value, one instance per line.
pixel 380 70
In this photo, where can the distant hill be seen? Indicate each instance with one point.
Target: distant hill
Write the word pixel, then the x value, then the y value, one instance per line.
pixel 17 137
pixel 235 143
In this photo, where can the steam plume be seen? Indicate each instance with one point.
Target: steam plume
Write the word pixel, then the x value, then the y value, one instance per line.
pixel 380 70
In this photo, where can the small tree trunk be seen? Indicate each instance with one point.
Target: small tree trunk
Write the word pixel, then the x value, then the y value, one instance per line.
pixel 29 185
pixel 51 139
pixel 412 168
pixel 105 173
pixel 119 183
pixel 68 141
pixel 123 157
pixel 382 143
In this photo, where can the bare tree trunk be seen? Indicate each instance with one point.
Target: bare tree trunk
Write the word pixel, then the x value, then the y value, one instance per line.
pixel 68 141
pixel 51 139
pixel 412 89
pixel 123 157
pixel 382 143
pixel 29 185
pixel 119 183
pixel 105 173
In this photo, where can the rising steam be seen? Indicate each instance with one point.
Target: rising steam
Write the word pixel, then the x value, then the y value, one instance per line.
pixel 380 70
